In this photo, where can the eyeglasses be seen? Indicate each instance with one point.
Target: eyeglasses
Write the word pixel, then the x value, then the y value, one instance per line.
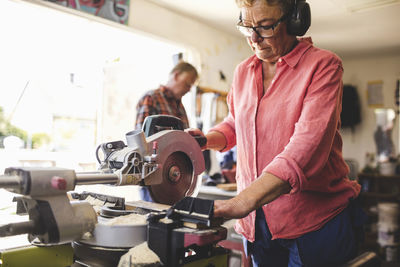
pixel 261 31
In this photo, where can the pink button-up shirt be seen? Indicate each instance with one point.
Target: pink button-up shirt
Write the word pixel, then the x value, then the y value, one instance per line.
pixel 292 132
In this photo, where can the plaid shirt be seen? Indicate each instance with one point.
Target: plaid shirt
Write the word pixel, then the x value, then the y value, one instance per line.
pixel 160 101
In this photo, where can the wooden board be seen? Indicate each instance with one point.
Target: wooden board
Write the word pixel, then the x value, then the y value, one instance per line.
pixel 227 187
pixel 146 205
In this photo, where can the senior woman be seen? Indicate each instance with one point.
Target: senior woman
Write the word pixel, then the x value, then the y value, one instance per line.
pixel 294 201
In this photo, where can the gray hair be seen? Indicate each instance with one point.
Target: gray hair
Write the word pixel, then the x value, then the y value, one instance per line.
pixel 285 5
pixel 185 67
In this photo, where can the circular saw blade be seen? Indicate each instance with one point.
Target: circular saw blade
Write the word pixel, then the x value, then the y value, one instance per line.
pixel 177 180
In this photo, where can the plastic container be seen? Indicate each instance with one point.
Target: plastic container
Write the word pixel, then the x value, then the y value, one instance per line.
pixel 388 224
pixel 392 253
pixel 388 213
pixel 387 168
pixel 388 235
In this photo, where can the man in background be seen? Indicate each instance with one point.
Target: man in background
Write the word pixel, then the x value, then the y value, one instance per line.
pixel 166 100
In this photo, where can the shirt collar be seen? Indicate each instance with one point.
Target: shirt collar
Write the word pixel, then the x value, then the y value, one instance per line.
pixel 167 92
pixel 293 57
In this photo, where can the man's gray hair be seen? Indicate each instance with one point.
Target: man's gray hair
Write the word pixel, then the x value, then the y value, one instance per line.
pixel 185 67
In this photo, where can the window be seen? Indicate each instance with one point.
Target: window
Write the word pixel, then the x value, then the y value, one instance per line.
pixel 72 81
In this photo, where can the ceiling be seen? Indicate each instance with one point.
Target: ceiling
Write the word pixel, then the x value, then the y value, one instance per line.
pixel 338 25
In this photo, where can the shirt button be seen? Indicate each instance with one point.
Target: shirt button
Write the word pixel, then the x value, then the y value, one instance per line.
pixel 280 60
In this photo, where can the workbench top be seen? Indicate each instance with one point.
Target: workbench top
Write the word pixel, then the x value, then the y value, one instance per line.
pixel 212 192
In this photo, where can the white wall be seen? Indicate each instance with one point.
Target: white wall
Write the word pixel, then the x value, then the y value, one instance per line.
pixel 358 72
pixel 216 50
pixel 209 49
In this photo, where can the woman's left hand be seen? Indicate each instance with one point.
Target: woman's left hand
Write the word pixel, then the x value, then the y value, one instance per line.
pixel 263 190
pixel 233 208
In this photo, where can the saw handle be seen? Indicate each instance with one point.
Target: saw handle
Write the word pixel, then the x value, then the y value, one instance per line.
pixel 156 123
pixel 201 140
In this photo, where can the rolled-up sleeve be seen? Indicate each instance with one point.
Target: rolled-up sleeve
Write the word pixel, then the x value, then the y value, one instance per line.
pixel 309 148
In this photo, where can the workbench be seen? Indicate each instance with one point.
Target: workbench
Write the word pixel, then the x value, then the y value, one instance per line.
pixel 214 193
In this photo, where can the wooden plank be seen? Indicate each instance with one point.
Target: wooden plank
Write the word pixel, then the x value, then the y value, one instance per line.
pixel 228 187
pixel 146 205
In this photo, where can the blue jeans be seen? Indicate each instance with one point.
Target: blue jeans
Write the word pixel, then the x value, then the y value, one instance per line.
pixel 144 194
pixel 334 244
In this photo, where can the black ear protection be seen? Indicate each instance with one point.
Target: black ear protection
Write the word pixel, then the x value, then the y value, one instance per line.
pixel 299 20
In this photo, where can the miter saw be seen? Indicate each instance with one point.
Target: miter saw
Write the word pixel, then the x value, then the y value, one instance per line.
pixel 161 156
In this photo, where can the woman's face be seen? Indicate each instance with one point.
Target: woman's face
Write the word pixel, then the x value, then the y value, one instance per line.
pixel 261 14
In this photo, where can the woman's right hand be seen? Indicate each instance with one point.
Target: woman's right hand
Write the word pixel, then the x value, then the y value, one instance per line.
pixel 215 140
pixel 196 133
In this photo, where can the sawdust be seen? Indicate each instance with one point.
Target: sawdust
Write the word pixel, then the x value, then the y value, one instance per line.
pixel 131 219
pixel 140 256
pixel 96 203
